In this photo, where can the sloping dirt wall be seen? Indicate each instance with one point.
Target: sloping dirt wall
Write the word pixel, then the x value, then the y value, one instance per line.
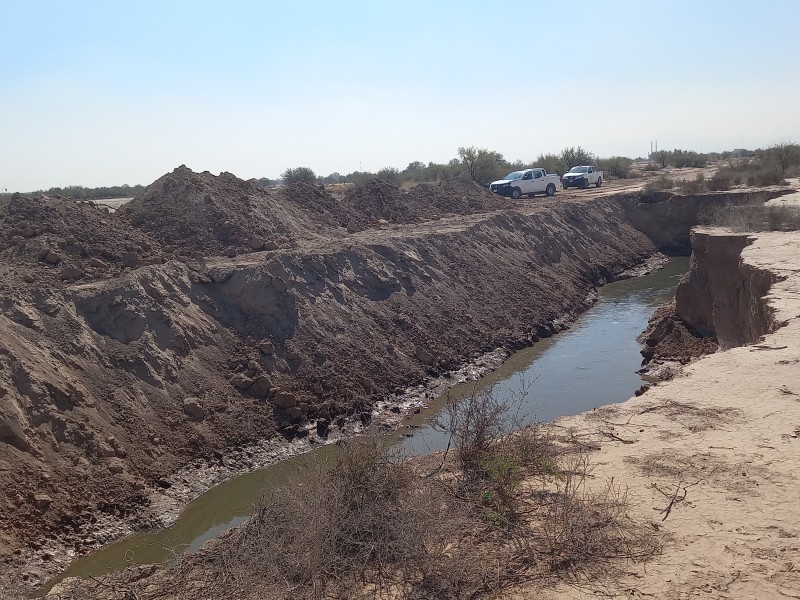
pixel 108 387
pixel 724 297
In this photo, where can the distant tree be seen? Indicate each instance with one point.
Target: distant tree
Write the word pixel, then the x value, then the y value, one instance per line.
pixel 482 165
pixel 552 163
pixel 264 182
pixel 573 157
pixel 687 158
pixel 661 158
pixel 298 175
pixel 469 156
pixel 616 166
pixel 390 174
pixel 334 177
pixel 783 155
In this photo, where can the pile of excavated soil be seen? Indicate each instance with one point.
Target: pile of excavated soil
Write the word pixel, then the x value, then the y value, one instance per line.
pixel 668 339
pixel 48 240
pixel 377 199
pixel 201 214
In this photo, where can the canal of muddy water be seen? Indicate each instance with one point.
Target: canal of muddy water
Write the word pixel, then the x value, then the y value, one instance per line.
pixel 591 364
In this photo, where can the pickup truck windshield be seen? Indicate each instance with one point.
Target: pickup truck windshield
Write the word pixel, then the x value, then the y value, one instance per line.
pixel 579 170
pixel 514 175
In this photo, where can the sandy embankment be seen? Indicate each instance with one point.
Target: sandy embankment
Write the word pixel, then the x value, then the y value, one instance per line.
pixel 724 437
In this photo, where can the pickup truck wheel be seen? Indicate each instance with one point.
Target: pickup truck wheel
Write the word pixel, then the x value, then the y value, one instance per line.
pixel 551 189
pixel 599 182
pixel 516 193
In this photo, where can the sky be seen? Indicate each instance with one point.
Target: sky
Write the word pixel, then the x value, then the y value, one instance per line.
pixel 108 92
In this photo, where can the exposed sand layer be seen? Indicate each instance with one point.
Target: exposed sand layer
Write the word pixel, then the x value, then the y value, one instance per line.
pixel 721 445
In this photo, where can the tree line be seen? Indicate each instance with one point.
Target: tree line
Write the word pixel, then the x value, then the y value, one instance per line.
pixel 484 166
pixel 79 192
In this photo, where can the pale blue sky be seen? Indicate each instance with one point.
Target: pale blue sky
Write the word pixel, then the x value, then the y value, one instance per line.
pixel 110 92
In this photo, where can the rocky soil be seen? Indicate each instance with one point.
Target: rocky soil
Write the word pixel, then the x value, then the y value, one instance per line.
pixel 208 315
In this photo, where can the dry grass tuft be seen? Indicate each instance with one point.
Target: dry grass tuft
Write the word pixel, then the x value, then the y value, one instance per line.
pixel 755 218
pixel 505 505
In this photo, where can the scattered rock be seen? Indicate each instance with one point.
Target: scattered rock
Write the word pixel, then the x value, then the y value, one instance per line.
pixel 261 387
pixel 52 258
pixel 256 243
pixel 284 399
pixel 323 426
pixel 271 245
pixel 97 263
pixel 42 501
pixel 424 356
pixel 193 408
pixel 241 381
pixel 71 273
pixel 266 347
pixel 130 259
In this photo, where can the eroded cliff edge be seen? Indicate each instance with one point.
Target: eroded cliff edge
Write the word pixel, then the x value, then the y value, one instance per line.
pixel 723 296
pixel 722 439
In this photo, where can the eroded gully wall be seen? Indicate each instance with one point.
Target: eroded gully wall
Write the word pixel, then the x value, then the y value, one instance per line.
pixel 722 296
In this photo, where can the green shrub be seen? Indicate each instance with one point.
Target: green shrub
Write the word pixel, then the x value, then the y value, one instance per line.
pixel 755 217
pixel 662 183
pixel 694 186
pixel 616 166
pixel 721 181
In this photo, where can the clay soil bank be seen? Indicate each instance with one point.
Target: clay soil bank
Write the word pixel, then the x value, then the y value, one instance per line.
pixel 208 316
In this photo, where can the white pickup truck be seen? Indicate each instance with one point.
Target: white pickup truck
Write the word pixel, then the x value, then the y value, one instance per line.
pixel 581 177
pixel 525 183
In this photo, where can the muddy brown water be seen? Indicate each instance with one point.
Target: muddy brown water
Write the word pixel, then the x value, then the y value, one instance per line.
pixel 591 364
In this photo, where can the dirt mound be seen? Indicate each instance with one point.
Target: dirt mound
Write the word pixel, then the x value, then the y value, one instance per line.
pixel 200 214
pixel 668 338
pixel 459 196
pixel 318 206
pixel 57 239
pixel 378 199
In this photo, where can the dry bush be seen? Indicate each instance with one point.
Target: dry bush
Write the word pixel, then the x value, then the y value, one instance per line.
pixel 582 526
pixel 694 186
pixel 547 527
pixel 511 506
pixel 662 183
pixel 755 218
pixel 368 526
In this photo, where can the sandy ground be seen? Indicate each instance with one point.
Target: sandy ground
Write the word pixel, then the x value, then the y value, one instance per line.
pixel 720 446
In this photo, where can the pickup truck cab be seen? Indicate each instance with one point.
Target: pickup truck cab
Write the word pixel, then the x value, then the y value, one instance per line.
pixel 581 177
pixel 525 183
